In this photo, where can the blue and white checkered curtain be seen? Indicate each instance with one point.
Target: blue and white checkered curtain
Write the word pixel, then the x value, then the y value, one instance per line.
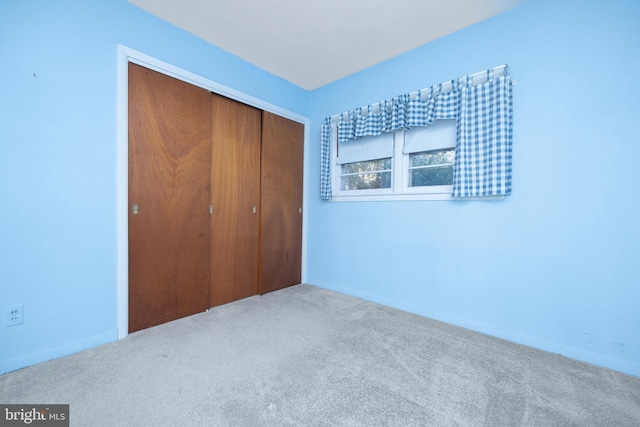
pixel 484 116
pixel 325 160
pixel 484 139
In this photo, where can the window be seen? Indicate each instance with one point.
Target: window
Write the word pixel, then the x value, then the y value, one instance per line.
pixel 466 122
pixel 408 164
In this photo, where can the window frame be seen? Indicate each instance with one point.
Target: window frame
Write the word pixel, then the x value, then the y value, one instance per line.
pixel 400 189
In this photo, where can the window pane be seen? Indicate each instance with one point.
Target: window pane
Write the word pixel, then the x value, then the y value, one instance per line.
pixel 440 175
pixel 366 181
pixel 429 158
pixel 368 166
pixel 366 175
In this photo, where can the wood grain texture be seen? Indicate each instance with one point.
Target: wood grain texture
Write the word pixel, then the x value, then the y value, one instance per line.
pixel 281 194
pixel 235 190
pixel 169 172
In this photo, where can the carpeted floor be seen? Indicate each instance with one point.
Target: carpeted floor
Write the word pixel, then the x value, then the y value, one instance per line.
pixel 305 356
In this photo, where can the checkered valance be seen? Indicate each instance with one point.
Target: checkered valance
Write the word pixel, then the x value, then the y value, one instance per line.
pixel 484 134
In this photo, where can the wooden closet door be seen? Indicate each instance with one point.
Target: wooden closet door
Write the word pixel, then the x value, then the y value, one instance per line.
pixel 281 185
pixel 235 191
pixel 169 171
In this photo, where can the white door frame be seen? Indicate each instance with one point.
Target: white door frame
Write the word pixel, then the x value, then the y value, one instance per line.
pixel 126 55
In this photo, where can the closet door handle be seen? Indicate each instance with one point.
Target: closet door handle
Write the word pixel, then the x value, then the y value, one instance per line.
pixel 134 209
pixel 210 209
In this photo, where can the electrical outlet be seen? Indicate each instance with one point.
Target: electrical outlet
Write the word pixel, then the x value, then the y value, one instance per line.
pixel 14 315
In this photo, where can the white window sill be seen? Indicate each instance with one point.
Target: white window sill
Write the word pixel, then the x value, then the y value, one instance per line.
pixel 405 197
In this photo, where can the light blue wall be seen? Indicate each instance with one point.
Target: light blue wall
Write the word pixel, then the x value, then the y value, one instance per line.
pixel 58 82
pixel 556 264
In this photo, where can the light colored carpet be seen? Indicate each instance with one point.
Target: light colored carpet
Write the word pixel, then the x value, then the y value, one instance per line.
pixel 305 356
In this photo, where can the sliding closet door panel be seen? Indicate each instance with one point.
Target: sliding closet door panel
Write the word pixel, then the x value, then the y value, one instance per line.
pixel 169 191
pixel 281 228
pixel 235 191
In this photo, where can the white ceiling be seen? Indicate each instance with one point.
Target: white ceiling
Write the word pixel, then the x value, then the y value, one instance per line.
pixel 311 42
